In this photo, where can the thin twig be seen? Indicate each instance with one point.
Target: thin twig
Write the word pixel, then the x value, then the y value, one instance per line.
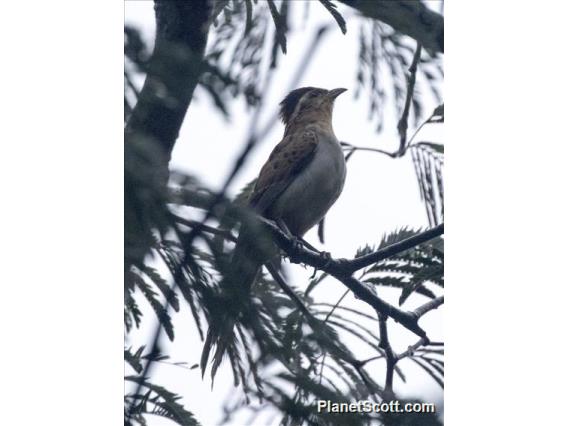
pixel 417 130
pixel 353 148
pixel 336 305
pixel 411 81
pixel 325 320
pixel 412 348
pixel 286 288
pixel 205 228
pixel 389 355
pixel 373 358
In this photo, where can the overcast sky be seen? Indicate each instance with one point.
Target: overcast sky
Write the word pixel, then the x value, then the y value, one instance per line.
pixel 380 196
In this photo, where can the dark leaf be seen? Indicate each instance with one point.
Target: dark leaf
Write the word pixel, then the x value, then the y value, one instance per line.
pixel 332 8
pixel 161 312
pixel 279 25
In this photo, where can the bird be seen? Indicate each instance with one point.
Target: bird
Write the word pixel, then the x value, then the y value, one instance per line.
pixel 302 178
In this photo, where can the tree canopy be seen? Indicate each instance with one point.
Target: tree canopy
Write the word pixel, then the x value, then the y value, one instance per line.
pixel 287 348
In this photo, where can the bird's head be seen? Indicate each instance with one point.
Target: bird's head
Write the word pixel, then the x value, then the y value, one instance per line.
pixel 308 104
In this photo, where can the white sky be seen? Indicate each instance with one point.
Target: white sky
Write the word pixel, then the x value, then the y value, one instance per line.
pixel 506 204
pixel 380 195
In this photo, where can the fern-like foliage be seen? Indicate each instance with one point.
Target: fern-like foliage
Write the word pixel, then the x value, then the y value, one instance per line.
pixel 155 400
pixel 267 339
pixel 430 358
pixel 411 270
pixel 385 57
pixel 286 352
pixel 428 160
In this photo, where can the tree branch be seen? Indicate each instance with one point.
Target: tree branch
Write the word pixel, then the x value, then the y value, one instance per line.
pixel 286 288
pixel 154 123
pixel 371 258
pixel 389 355
pixel 410 17
pixel 205 228
pixel 411 349
pixel 427 307
pixel 173 73
pixel 410 82
pixel 353 148
pixel 407 319
pixel 342 270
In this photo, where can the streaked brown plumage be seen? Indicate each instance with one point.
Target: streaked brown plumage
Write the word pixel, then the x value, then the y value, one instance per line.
pixel 297 185
pixel 303 175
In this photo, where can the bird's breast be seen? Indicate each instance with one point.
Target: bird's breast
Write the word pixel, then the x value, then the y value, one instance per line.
pixel 310 195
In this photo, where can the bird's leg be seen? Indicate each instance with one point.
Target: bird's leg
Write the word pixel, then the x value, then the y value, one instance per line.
pixel 308 245
pixel 324 254
pixel 327 257
pixel 296 243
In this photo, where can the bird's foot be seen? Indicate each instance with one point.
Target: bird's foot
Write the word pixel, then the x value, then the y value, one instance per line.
pixel 326 256
pixel 308 245
pixel 297 243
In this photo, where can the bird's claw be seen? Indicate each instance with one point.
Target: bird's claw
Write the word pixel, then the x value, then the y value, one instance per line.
pixel 297 244
pixel 325 255
pixel 314 274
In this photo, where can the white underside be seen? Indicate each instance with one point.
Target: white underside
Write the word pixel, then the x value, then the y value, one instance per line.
pixel 308 198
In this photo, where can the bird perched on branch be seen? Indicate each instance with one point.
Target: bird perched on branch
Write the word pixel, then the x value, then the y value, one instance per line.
pixel 300 181
pixel 303 177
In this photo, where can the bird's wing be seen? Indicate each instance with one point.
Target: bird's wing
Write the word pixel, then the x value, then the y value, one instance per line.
pixel 286 161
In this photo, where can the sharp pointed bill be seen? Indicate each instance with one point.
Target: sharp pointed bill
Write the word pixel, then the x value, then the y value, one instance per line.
pixel 336 92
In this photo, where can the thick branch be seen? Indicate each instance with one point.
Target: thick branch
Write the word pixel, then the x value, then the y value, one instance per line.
pixel 154 124
pixel 174 71
pixel 409 17
pixel 155 121
pixel 342 270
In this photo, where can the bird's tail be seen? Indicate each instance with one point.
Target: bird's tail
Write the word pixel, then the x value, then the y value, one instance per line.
pixel 251 251
pixel 246 263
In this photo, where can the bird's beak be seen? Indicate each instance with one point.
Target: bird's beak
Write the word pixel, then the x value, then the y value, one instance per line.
pixel 332 94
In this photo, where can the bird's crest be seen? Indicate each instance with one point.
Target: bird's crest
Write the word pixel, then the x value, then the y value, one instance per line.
pixel 288 105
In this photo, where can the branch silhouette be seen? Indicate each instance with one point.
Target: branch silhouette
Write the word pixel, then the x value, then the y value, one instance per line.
pixel 342 269
pixel 408 17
